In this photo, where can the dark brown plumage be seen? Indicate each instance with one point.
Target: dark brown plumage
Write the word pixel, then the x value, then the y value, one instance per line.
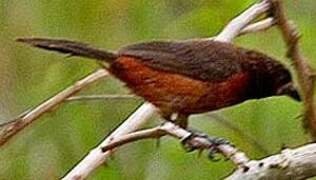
pixel 190 76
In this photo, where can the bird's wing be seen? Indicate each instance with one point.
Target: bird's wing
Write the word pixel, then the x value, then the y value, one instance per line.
pixel 203 60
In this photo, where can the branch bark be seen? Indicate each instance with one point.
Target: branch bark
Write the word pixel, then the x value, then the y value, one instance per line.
pixel 289 164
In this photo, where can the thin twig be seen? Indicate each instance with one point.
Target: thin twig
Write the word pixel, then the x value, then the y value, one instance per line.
pixel 2 125
pixel 230 152
pixel 8 131
pixel 258 26
pixel 305 74
pixel 234 28
pixel 155 133
pixel 101 97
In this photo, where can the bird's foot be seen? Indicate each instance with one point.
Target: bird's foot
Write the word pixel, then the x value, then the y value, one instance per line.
pixel 202 141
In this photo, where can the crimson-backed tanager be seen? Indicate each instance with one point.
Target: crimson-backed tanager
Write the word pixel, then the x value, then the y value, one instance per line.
pixel 186 77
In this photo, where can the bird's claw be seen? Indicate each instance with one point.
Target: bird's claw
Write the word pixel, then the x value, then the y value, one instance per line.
pixel 212 154
pixel 190 145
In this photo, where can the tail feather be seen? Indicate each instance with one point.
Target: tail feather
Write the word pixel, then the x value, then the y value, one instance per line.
pixel 70 47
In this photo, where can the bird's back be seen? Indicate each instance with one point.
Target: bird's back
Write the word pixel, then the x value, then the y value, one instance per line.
pixel 204 60
pixel 185 77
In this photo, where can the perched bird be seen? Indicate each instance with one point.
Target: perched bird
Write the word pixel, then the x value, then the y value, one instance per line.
pixel 186 77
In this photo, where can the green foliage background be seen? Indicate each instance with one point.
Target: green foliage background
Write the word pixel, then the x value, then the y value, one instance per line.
pixel 50 147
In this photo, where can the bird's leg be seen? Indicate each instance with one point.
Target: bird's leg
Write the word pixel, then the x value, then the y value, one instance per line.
pixel 176 118
pixel 179 119
pixel 189 142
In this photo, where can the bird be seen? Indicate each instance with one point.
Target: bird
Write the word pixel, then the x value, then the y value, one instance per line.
pixel 186 77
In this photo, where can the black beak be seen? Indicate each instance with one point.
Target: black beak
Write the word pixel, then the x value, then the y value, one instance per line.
pixel 289 90
pixel 294 94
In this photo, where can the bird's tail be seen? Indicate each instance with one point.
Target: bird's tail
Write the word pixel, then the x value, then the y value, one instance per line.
pixel 72 48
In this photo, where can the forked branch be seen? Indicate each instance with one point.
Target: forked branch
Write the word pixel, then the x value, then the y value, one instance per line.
pixel 202 143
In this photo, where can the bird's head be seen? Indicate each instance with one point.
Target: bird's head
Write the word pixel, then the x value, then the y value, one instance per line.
pixel 284 85
pixel 279 79
pixel 271 78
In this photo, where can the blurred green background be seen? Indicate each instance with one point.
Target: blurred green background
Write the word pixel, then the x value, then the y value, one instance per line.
pixel 50 147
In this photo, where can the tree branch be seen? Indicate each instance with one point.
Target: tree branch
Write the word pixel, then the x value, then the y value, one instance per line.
pixel 234 28
pixel 152 133
pixel 168 128
pixel 305 74
pixel 96 157
pixel 239 158
pixel 258 26
pixel 289 164
pixel 13 127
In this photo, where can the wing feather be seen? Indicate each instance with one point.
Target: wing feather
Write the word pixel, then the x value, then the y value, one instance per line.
pixel 204 60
